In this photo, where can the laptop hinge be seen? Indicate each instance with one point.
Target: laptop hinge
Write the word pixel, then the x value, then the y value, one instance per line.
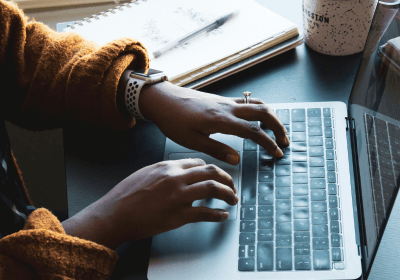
pixel 353 123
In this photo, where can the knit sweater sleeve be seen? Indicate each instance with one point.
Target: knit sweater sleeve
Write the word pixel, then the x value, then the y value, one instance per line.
pixel 42 250
pixel 49 77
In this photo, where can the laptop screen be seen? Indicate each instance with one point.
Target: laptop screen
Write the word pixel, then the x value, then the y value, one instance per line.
pixel 375 107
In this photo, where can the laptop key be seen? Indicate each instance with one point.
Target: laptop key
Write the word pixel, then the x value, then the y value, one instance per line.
pixel 301 237
pixel 332 189
pixel 315 141
pixel 283 216
pixel 301 225
pixel 249 145
pixel 373 161
pixel 300 189
pixel 299 167
pixel 301 249
pixel 283 170
pixel 283 240
pixel 284 259
pixel 329 143
pixel 298 127
pixel 283 115
pixel 336 254
pixel 396 152
pixel 387 173
pixel 266 199
pixel 317 172
pixel 333 201
pixel 299 137
pixel 242 251
pixel 319 206
pixel 331 177
pixel 265 211
pixel 299 157
pixel 315 131
pixel 318 195
pixel 330 154
pixel 247 238
pixel 327 112
pixel 249 178
pixel 248 226
pixel 327 122
pixel 246 264
pixel 300 201
pixel 265 156
pixel 388 184
pixel 384 152
pixel 251 250
pixel 285 160
pixel 335 227
pixel 285 181
pixel 328 132
pixel 336 240
pixel 265 256
pixel 395 142
pixel 320 230
pixel 314 121
pixel 248 213
pixel 317 161
pixel 316 151
pixel 394 131
pixel 265 176
pixel 266 187
pixel 330 165
pixel 265 235
pixel 300 178
pixel 266 223
pixel 283 228
pixel 314 112
pixel 298 115
pixel 317 183
pixel 283 193
pixel 302 263
pixel 320 243
pixel 383 142
pixel 301 213
pixel 321 260
pixel 283 204
pixel 333 214
pixel 299 147
pixel 266 165
pixel 319 218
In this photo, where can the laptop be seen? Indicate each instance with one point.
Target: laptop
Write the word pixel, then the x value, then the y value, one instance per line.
pixel 302 216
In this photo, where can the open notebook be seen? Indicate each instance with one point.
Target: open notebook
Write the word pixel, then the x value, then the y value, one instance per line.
pixel 156 23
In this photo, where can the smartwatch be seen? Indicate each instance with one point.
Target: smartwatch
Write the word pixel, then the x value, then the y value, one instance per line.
pixel 134 81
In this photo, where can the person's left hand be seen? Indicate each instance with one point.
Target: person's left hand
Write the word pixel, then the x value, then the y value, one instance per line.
pixel 189 117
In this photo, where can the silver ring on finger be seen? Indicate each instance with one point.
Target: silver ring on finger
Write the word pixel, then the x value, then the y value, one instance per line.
pixel 246 97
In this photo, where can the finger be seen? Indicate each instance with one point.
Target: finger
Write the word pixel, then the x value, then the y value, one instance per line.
pixel 189 162
pixel 250 130
pixel 261 112
pixel 204 214
pixel 208 172
pixel 210 189
pixel 218 150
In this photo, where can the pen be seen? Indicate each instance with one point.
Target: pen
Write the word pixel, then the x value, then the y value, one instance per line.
pixel 195 33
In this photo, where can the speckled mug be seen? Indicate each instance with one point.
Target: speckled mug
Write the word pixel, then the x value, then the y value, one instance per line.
pixel 337 27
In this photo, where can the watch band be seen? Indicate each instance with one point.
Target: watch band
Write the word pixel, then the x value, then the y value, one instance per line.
pixel 132 93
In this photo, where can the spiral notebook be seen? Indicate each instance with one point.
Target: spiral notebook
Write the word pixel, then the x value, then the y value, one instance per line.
pixel 155 23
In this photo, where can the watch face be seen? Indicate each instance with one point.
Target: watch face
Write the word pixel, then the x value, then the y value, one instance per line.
pixel 147 73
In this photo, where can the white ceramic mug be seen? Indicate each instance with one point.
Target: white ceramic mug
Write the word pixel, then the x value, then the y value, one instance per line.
pixel 337 27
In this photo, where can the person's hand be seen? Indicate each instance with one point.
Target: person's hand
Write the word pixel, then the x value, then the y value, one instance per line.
pixel 189 117
pixel 153 200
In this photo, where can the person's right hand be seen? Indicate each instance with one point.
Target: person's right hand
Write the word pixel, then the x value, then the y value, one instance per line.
pixel 153 200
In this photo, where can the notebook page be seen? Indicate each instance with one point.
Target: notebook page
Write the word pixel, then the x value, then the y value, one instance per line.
pixel 155 23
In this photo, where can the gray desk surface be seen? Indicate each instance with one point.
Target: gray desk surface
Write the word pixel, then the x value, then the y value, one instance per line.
pixel 98 160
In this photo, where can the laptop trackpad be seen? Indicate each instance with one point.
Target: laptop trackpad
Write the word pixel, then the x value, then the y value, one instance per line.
pixel 230 169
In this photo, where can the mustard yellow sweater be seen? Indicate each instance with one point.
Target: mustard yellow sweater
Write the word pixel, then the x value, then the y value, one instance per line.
pixel 46 78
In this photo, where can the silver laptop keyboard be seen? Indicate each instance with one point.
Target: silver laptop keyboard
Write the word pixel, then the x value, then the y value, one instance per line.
pixel 290 215
pixel 383 140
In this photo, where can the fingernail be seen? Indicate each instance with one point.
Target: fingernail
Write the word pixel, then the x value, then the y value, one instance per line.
pixel 279 152
pixel 236 200
pixel 232 159
pixel 287 140
pixel 225 215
